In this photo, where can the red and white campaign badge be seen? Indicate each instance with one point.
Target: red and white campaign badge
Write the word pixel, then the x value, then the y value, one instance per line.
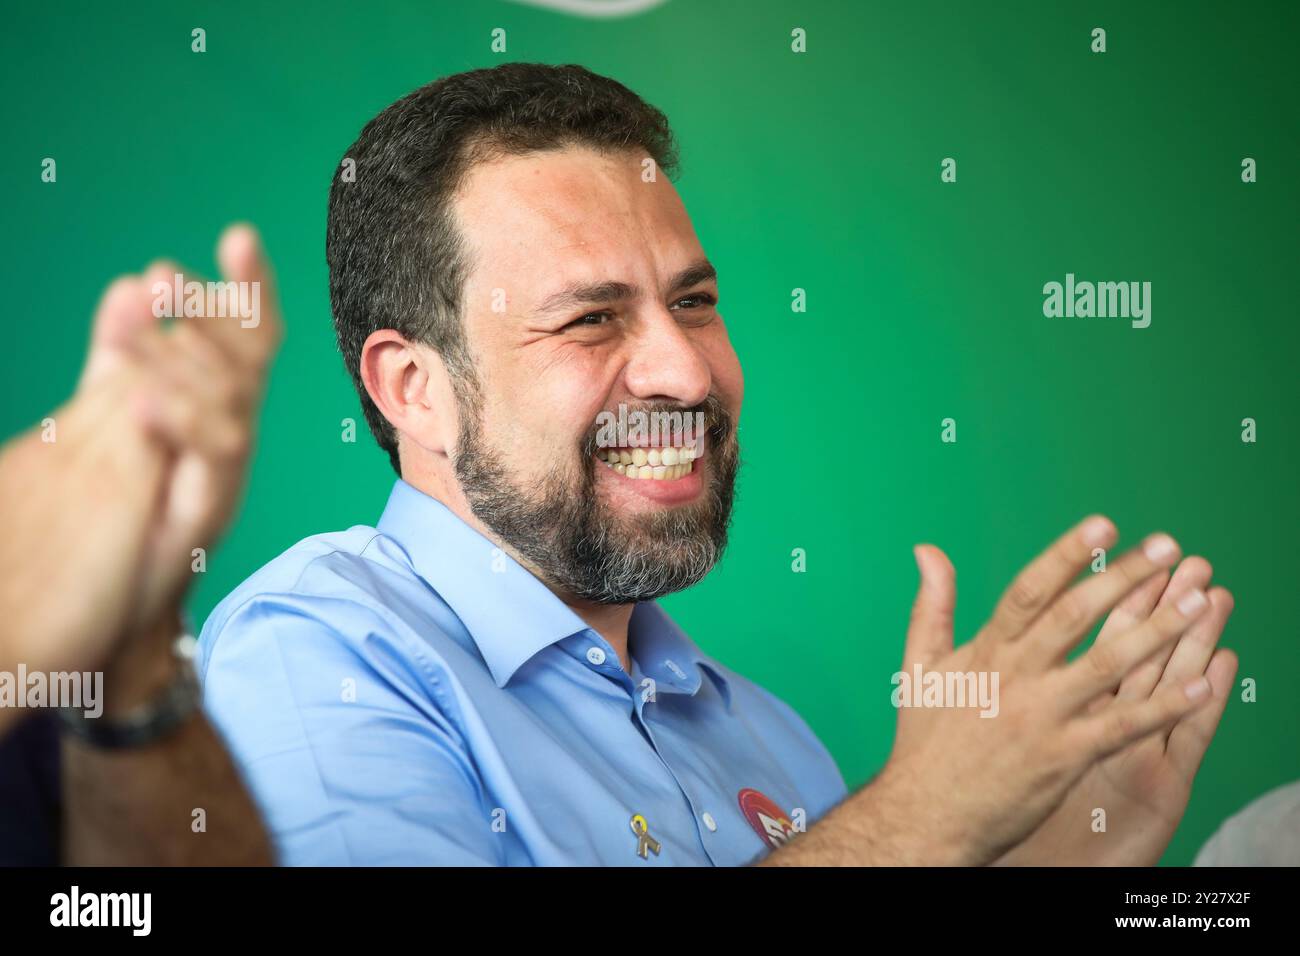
pixel 768 820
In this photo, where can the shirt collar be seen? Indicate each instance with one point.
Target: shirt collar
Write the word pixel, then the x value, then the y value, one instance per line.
pixel 664 652
pixel 508 612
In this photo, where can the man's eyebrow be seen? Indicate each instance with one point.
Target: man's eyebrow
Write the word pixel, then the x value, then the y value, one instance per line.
pixel 613 290
pixel 693 274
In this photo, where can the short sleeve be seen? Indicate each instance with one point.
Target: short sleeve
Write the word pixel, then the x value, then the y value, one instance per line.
pixel 340 738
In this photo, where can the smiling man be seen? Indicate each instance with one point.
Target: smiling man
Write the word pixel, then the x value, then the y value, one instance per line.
pixel 484 676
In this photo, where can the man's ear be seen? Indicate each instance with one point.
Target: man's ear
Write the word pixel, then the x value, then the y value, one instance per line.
pixel 409 384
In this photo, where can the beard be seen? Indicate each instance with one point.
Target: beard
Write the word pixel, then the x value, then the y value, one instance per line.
pixel 576 542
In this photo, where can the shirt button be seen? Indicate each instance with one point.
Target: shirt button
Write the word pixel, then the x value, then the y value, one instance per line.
pixel 709 822
pixel 596 656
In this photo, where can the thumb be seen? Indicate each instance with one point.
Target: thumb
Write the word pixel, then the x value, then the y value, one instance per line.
pixel 929 635
pixel 242 257
pixel 122 309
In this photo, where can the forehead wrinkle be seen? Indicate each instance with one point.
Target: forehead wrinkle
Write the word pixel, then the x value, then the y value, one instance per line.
pixel 581 213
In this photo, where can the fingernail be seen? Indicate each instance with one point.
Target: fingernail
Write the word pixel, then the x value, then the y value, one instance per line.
pixel 1191 602
pixel 1097 532
pixel 1197 688
pixel 1160 549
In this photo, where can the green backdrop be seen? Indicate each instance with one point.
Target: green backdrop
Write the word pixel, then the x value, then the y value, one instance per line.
pixel 818 171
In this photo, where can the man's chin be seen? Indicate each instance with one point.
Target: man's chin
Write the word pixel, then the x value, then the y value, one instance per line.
pixel 651 572
pixel 606 538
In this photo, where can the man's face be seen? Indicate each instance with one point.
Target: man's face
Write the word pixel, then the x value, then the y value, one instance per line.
pixel 547 365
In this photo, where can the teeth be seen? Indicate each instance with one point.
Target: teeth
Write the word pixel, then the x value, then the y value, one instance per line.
pixel 668 455
pixel 659 464
pixel 654 472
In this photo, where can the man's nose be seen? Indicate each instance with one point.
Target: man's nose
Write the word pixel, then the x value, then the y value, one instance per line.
pixel 666 364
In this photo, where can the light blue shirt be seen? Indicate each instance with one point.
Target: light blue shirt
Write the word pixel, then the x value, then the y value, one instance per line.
pixel 408 694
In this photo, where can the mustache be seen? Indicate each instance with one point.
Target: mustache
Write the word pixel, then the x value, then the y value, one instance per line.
pixel 718 424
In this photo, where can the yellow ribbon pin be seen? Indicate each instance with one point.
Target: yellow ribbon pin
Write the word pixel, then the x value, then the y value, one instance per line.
pixel 644 841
